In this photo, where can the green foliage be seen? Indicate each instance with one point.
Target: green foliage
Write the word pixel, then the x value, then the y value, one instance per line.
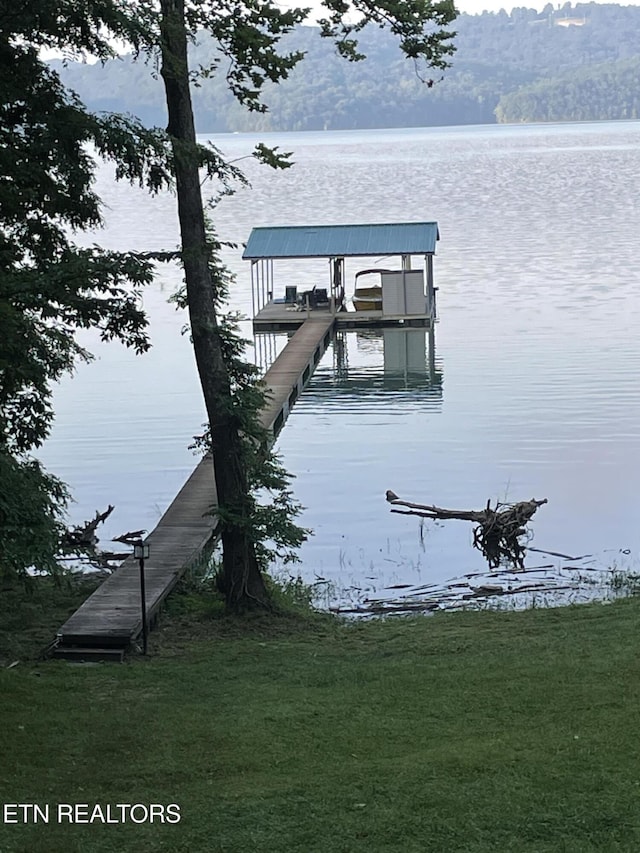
pixel 31 524
pixel 198 596
pixel 247 35
pixel 77 29
pixel 291 594
pixel 272 156
pixel 419 26
pixel 49 286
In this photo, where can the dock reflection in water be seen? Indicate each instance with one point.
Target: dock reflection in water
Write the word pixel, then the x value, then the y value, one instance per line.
pixel 402 361
pixel 367 407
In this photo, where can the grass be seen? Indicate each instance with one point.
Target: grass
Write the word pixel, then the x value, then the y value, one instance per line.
pixel 31 615
pixel 469 732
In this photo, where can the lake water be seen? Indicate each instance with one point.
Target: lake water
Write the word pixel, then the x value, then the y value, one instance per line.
pixel 533 391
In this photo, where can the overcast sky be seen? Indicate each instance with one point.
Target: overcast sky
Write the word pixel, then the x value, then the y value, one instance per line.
pixel 475 7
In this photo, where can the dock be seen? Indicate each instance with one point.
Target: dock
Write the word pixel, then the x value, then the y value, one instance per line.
pixel 110 619
pixel 278 317
pixel 393 290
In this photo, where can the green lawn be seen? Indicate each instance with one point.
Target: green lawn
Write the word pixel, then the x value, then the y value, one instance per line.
pixel 468 732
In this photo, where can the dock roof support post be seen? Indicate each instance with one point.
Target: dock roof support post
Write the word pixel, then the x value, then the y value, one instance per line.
pixel 266 282
pixel 253 290
pixel 337 282
pixel 332 289
pixel 336 272
pixel 270 279
pixel 265 279
pixel 431 293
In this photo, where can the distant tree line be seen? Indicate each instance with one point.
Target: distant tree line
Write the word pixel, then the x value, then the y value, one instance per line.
pixel 607 91
pixel 576 62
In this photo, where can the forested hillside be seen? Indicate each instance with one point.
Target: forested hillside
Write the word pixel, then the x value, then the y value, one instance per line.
pixel 609 90
pixel 577 62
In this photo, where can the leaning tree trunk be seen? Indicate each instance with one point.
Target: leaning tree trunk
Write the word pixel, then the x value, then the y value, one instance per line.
pixel 240 580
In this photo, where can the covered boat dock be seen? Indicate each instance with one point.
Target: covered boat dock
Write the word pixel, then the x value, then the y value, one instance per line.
pixel 403 254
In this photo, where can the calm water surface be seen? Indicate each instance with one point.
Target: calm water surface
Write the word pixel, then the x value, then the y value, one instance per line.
pixel 533 391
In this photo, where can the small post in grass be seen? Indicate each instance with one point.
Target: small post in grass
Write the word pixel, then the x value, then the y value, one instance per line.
pixel 141 553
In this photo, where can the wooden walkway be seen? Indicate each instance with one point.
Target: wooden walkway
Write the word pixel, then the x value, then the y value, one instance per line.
pixel 110 618
pixel 292 369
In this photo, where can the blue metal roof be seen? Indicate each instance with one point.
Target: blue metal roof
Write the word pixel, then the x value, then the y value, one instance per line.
pixel 340 241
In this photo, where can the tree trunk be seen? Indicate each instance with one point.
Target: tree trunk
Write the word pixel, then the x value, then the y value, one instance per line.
pixel 241 580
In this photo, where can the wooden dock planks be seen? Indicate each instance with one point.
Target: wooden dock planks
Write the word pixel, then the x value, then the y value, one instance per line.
pixel 276 316
pixel 291 370
pixel 111 616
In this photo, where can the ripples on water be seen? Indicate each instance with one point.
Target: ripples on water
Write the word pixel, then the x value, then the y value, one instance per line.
pixel 533 392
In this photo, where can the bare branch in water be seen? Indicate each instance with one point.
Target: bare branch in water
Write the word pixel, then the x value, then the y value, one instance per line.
pixel 498 532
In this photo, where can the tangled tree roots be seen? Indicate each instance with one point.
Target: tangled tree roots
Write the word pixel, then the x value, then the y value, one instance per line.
pixel 498 532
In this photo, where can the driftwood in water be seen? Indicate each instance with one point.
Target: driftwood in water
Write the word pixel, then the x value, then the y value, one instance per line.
pixel 497 533
pixel 82 539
